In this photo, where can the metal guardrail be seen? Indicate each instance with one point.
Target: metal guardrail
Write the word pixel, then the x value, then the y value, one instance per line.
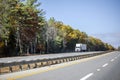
pixel 25 65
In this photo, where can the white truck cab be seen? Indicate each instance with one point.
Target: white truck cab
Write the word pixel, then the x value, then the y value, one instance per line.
pixel 80 47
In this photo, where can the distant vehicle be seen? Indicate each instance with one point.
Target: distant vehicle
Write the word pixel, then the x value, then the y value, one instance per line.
pixel 80 47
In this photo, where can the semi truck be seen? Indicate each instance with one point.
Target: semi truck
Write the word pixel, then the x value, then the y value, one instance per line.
pixel 80 47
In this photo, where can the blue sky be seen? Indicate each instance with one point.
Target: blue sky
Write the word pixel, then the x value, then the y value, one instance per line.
pixel 98 18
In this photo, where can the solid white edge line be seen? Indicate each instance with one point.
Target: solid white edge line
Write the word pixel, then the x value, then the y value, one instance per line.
pixel 87 76
pixel 105 65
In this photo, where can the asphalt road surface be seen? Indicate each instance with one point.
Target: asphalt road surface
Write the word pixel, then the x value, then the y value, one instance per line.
pixel 46 56
pixel 102 67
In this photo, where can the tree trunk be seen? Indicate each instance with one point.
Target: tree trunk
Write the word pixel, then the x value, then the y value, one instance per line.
pixel 28 50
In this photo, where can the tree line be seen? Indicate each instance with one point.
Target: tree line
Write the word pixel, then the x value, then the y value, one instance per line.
pixel 24 30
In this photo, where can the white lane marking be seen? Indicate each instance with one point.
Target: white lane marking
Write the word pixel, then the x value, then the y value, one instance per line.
pixel 87 76
pixel 112 60
pixel 105 65
pixel 98 69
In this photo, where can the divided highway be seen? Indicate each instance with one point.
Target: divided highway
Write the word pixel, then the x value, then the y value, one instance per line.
pixel 46 56
pixel 102 67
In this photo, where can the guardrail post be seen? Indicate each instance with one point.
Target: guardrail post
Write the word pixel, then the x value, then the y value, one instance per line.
pixel 10 68
pixel 20 67
pixel 28 66
pixel 35 65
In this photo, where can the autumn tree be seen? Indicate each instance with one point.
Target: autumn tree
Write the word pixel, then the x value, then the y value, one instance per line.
pixel 24 19
pixel 23 29
pixel 29 24
pixel 8 25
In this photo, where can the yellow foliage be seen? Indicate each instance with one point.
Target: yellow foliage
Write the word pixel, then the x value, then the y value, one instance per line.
pixel 72 35
pixel 1 44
